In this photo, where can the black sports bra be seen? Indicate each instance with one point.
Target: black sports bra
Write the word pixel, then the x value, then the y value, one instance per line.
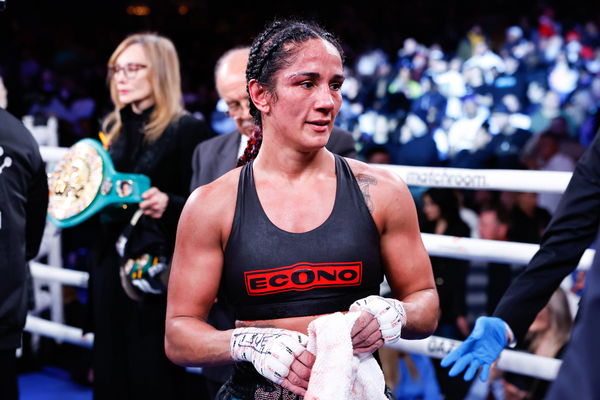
pixel 270 273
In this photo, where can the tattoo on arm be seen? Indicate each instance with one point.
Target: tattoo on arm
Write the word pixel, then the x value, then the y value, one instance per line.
pixel 364 181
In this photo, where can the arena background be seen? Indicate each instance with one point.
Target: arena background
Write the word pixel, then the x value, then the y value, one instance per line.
pixel 75 38
pixel 72 41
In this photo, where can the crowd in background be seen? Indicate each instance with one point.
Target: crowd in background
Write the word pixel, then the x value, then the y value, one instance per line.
pixel 526 98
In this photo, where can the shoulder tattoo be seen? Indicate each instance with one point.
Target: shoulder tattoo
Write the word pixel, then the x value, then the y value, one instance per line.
pixel 364 182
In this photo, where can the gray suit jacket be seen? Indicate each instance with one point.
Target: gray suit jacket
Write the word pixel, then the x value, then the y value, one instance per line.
pixel 217 156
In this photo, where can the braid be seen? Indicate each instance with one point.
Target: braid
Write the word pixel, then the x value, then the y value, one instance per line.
pixel 252 147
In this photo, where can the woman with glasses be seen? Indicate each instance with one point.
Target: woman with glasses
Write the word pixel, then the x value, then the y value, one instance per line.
pixel 149 133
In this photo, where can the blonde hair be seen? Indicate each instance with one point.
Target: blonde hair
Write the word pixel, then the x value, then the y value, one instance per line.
pixel 559 331
pixel 165 79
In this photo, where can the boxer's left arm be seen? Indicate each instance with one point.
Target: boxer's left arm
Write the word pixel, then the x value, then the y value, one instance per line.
pixel 406 263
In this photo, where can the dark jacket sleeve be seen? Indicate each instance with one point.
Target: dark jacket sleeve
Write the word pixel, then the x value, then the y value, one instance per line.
pixel 571 231
pixel 189 131
pixel 37 204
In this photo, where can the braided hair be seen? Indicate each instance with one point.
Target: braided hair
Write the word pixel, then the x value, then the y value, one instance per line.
pixel 272 51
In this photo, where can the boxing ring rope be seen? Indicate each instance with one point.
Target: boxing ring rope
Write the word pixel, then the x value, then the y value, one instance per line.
pixel 488 179
pixel 517 362
pixel 436 245
pixel 434 346
pixel 52 154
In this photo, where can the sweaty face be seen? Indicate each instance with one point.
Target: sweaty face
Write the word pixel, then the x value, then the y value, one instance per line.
pixel 307 96
pixel 132 78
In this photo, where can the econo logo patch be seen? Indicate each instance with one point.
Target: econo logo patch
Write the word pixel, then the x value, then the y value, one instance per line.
pixel 303 276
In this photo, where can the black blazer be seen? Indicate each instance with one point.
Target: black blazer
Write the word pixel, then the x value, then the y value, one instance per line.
pixel 217 156
pixel 23 204
pixel 571 231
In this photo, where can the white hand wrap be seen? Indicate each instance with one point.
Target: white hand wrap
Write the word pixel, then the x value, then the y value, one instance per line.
pixel 389 313
pixel 270 350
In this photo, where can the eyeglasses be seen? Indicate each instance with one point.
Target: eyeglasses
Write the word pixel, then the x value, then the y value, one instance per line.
pixel 130 70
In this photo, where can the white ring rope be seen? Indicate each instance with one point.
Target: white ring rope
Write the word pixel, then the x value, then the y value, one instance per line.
pixel 517 362
pixel 52 154
pixel 488 250
pixel 489 179
pixel 58 331
pixel 436 245
pixel 434 346
pixel 67 277
pixel 461 178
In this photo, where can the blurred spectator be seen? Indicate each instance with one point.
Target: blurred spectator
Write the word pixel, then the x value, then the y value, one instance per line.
pixel 409 376
pixel 504 149
pixel 417 146
pixel 527 220
pixel 431 105
pixel 493 225
pixel 562 78
pixel 550 108
pixel 450 79
pixel 485 59
pixel 377 155
pixel 513 40
pixel 544 153
pixel 468 43
pixel 462 134
pixel 511 81
pixel 547 336
pixel 441 216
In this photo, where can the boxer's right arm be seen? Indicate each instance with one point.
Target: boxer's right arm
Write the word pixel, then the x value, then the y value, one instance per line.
pixel 194 281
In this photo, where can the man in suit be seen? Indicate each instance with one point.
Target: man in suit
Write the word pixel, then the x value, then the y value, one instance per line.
pixel 572 230
pixel 23 203
pixel 219 155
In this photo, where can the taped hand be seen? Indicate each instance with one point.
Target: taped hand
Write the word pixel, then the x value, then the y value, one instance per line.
pixel 389 314
pixel 279 355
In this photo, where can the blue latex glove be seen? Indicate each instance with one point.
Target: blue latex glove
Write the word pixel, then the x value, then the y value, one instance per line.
pixel 480 349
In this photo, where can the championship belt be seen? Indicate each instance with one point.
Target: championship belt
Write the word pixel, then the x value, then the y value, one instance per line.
pixel 85 181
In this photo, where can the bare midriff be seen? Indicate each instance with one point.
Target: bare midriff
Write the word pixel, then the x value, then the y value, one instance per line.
pixel 298 324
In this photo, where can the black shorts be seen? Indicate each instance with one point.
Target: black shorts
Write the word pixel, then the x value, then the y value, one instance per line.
pixel 247 384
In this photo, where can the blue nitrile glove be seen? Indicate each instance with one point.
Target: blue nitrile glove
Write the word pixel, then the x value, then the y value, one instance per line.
pixel 481 348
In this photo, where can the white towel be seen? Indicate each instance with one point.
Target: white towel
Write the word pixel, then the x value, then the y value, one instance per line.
pixel 337 374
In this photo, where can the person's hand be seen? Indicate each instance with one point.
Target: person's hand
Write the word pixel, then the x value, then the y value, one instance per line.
pixel 366 335
pixel 480 349
pixel 279 355
pixel 388 318
pixel 511 392
pixel 154 203
pixel 462 325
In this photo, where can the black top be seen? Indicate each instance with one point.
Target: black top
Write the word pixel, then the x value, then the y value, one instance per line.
pixel 271 273
pixel 23 203
pixel 167 161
